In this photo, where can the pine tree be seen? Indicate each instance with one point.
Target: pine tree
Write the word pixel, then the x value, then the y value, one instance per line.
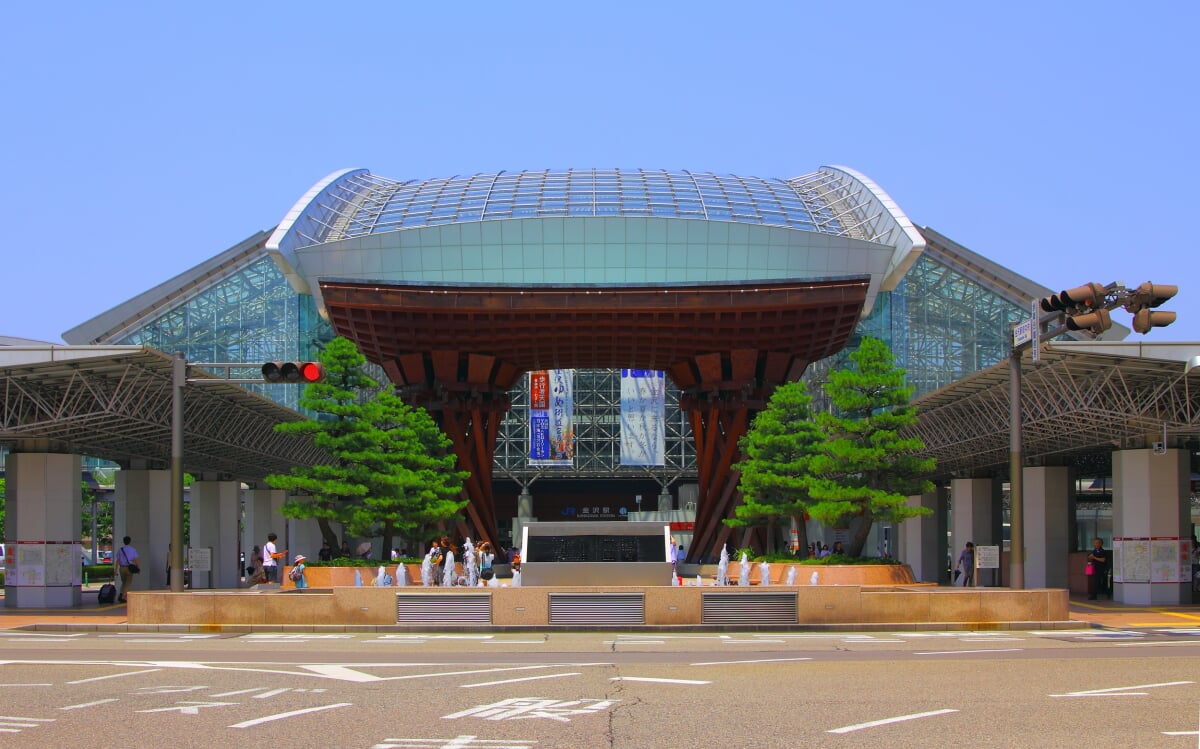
pixel 775 472
pixel 867 470
pixel 392 466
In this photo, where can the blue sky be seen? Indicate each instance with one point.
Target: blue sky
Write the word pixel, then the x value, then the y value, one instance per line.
pixel 139 139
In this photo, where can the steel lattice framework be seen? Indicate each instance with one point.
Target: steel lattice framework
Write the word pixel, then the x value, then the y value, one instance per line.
pixel 114 402
pixel 1080 398
pixel 597 419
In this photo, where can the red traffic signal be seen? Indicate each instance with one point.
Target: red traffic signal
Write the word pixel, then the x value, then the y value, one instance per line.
pixel 293 371
pixel 1090 295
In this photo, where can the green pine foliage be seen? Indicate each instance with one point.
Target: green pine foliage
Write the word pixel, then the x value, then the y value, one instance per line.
pixel 867 469
pixel 775 473
pixel 393 469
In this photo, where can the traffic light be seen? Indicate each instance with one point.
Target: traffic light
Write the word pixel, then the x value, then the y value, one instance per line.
pixel 1097 321
pixel 1143 298
pixel 293 371
pixel 1078 298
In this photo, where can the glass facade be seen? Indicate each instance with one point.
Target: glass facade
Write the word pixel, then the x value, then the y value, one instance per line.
pixel 940 325
pixel 250 315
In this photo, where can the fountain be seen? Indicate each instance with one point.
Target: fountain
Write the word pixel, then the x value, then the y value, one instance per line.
pixel 448 570
pixel 470 565
pixel 764 574
pixel 401 575
pixel 744 575
pixel 427 570
pixel 516 578
pixel 723 567
pixel 791 576
pixel 381 578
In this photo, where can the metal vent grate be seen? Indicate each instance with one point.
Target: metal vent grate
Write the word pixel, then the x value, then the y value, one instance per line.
pixel 748 608
pixel 597 608
pixel 444 608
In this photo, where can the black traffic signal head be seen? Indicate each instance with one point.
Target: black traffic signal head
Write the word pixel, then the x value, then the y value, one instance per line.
pixel 293 371
pixel 1145 319
pixel 1097 321
pixel 1089 296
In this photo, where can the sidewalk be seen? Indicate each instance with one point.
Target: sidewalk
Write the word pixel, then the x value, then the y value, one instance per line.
pixel 1101 614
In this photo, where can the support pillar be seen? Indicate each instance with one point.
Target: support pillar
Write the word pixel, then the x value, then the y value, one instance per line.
pixel 303 534
pixel 974 516
pixel 524 515
pixel 215 513
pixel 1048 504
pixel 1150 520
pixel 43 494
pixel 142 511
pixel 922 540
pixel 260 516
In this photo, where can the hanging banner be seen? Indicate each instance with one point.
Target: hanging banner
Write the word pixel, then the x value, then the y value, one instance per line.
pixel 551 413
pixel 643 415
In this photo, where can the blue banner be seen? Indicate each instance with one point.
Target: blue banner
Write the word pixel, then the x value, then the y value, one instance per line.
pixel 643 417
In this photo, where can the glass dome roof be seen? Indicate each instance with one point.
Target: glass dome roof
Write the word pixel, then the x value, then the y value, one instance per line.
pixel 374 204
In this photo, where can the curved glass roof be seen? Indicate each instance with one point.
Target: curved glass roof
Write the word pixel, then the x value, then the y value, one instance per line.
pixel 382 205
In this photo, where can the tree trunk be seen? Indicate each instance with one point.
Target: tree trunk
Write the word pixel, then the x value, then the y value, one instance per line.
pixel 327 534
pixel 389 531
pixel 801 535
pixel 860 528
pixel 770 535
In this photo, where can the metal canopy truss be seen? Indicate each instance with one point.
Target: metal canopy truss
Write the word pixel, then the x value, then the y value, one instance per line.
pixel 114 402
pixel 1080 398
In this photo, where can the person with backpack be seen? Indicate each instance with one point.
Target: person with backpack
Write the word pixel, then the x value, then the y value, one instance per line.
pixel 296 575
pixel 127 564
pixel 270 566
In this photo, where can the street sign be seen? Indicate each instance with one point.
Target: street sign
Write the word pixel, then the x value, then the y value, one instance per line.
pixel 987 557
pixel 1023 333
pixel 1036 342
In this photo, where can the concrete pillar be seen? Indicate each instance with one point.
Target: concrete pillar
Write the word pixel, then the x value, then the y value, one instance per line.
pixel 922 540
pixel 43 494
pixel 975 510
pixel 214 517
pixel 524 515
pixel 1048 502
pixel 665 501
pixel 1151 527
pixel 260 517
pixel 142 511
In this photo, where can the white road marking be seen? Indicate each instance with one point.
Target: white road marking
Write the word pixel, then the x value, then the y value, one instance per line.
pixel 34 684
pixel 960 652
pixel 155 637
pixel 270 693
pixel 886 721
pixel 1122 691
pixel 458 742
pixel 760 660
pixel 749 642
pixel 115 676
pixel 514 681
pixel 634 642
pixel 188 707
pixel 1154 644
pixel 658 681
pixel 89 704
pixel 237 692
pixel 289 714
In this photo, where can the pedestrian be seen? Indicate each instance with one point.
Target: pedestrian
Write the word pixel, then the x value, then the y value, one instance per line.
pixel 270 559
pixel 345 552
pixel 297 573
pixel 127 564
pixel 966 566
pixel 326 552
pixel 1097 570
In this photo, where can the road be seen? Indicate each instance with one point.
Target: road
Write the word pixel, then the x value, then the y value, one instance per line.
pixel 1046 688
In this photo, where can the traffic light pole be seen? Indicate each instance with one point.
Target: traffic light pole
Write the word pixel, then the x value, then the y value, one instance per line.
pixel 175 553
pixel 1016 491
